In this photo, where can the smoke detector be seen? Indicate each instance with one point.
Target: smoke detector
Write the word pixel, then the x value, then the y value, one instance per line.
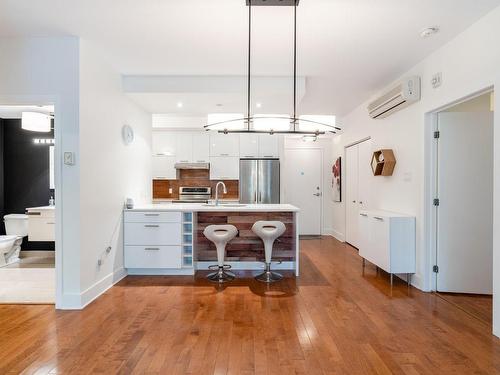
pixel 429 31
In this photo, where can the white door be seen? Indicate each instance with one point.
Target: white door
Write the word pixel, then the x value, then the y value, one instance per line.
pixel 365 174
pixel 303 182
pixel 465 212
pixel 351 190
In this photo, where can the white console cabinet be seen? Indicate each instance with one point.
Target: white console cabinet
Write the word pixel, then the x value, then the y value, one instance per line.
pixel 158 242
pixel 387 239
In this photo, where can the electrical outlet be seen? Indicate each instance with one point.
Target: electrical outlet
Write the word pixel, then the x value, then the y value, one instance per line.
pixel 170 191
pixel 436 80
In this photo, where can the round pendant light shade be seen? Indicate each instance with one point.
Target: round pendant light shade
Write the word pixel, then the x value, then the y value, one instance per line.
pixel 35 121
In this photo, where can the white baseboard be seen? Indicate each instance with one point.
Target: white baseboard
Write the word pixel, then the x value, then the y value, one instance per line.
pixel 339 236
pixel 250 266
pixel 161 271
pixel 74 301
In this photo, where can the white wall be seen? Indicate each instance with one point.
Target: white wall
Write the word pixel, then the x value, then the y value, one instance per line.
pixel 110 171
pixel 45 71
pixel 469 63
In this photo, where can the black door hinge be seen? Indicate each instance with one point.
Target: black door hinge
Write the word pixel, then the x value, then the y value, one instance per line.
pixel 436 134
pixel 435 269
pixel 435 201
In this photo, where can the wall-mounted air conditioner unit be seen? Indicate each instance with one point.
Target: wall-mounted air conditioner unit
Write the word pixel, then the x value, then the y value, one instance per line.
pixel 404 94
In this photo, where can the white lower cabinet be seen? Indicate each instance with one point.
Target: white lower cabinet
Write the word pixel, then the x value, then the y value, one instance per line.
pixel 158 241
pixel 153 256
pixel 387 239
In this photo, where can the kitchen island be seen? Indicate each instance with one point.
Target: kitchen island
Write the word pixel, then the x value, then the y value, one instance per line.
pixel 167 239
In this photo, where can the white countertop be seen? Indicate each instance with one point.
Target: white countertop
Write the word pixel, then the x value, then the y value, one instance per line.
pixel 41 208
pixel 199 207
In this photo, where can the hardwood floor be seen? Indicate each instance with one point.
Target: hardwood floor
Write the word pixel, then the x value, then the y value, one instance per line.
pixel 333 320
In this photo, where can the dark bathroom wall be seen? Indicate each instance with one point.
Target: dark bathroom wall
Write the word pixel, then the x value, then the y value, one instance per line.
pixel 26 181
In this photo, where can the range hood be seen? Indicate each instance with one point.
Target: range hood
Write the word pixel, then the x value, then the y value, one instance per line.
pixel 192 165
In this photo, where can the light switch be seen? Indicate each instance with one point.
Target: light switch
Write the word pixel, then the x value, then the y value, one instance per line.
pixel 69 158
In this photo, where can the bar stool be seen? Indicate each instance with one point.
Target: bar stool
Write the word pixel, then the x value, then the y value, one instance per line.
pixel 268 231
pixel 220 235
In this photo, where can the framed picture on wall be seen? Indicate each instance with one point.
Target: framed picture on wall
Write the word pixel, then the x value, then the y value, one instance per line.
pixel 337 180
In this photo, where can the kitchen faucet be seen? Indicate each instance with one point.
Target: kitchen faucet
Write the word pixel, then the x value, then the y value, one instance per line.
pixel 217 191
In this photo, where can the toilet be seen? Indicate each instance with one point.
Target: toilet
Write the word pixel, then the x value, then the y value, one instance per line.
pixel 16 227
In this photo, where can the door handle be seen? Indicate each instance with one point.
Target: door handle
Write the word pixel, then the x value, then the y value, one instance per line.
pixel 363 214
pixel 317 194
pixel 378 218
pixel 353 201
pixel 360 202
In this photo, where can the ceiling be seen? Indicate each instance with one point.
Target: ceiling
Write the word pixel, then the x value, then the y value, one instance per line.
pixel 348 49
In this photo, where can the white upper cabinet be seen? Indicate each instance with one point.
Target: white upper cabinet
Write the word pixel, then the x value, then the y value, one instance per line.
pixel 164 143
pixel 184 147
pixel 224 144
pixel 268 146
pixel 201 147
pixel 249 145
pixel 224 168
pixel 163 167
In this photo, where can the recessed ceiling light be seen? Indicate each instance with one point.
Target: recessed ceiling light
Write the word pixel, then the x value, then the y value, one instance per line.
pixel 429 31
pixel 179 105
pixel 258 105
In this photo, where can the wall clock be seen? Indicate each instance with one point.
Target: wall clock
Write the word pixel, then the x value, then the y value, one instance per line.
pixel 127 134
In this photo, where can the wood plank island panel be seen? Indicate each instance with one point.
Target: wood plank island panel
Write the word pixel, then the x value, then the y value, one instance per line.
pixel 246 246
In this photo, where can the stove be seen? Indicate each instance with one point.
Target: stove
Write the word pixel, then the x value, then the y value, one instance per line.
pixel 188 194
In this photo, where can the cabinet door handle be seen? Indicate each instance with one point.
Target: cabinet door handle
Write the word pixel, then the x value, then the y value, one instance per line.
pixel 360 202
pixel 363 214
pixel 151 214
pixel 224 154
pixel 268 156
pixel 151 226
pixel 353 201
pixel 152 248
pixel 378 218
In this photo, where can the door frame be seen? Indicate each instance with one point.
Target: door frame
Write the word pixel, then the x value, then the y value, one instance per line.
pixel 344 179
pixel 322 177
pixel 431 186
pixel 58 177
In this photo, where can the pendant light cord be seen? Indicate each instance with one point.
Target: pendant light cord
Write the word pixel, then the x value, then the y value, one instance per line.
pixel 294 65
pixel 249 83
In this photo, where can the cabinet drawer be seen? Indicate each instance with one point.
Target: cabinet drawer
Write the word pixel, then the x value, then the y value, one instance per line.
pixel 41 229
pixel 153 257
pixel 153 234
pixel 153 217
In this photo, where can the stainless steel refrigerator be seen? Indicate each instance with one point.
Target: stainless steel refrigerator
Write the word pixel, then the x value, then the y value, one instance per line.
pixel 259 181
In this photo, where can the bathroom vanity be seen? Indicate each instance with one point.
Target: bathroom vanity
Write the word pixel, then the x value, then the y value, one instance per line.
pixel 167 239
pixel 41 223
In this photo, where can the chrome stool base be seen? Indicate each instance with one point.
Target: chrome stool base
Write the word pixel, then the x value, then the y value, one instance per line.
pixel 269 276
pixel 221 275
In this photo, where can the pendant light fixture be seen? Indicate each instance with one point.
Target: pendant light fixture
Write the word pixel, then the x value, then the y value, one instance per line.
pixel 249 119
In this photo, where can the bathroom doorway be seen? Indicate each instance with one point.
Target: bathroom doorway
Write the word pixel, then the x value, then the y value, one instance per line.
pixel 463 193
pixel 27 204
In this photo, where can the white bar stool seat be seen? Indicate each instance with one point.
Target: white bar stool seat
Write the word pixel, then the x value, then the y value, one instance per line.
pixel 220 235
pixel 269 231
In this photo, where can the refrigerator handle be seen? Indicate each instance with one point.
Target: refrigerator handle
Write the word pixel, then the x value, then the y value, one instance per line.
pixel 257 187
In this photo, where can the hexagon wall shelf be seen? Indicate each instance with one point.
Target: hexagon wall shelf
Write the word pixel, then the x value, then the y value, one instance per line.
pixel 383 162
